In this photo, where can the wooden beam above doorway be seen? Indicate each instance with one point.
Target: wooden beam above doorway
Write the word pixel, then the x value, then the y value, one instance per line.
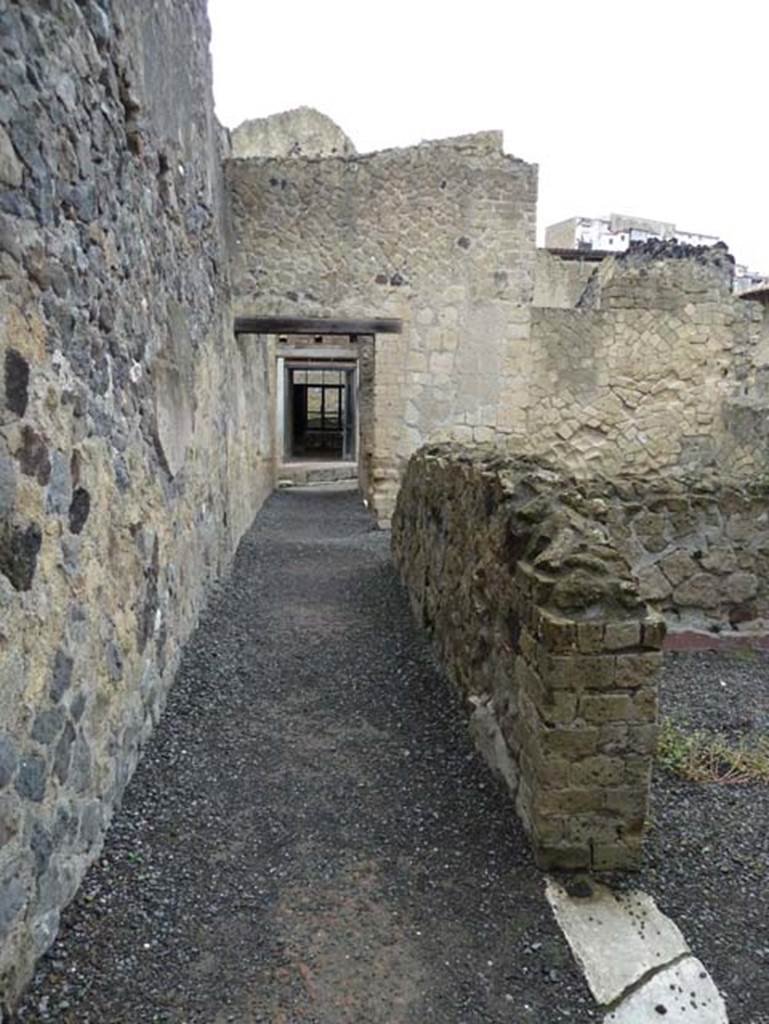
pixel 302 325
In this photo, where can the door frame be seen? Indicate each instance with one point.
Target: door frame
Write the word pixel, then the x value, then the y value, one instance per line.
pixel 283 419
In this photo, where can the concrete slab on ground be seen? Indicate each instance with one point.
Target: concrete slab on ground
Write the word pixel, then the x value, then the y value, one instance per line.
pixel 616 937
pixel 679 994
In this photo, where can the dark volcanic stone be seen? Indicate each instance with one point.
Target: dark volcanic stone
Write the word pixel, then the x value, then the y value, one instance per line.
pixel 16 382
pixel 79 509
pixel 19 549
pixel 47 725
pixel 30 778
pixel 33 456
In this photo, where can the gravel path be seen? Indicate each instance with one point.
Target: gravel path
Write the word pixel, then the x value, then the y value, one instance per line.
pixel 310 837
pixel 708 851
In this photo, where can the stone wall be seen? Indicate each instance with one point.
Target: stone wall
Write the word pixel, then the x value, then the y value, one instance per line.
pixel 699 549
pixel 660 368
pixel 642 362
pixel 559 281
pixel 300 132
pixel 536 618
pixel 440 235
pixel 135 445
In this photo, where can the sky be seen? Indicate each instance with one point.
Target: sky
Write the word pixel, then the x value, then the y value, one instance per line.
pixel 656 108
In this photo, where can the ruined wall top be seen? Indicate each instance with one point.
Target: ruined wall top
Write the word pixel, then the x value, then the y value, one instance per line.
pixel 661 274
pixel 300 132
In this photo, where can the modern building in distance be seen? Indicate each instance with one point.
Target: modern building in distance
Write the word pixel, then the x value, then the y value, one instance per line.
pixel 616 232
pixel 746 280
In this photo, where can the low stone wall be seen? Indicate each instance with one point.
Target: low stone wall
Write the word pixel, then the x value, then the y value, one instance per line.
pixel 537 619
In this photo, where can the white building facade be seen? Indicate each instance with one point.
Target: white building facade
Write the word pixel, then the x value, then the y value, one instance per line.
pixel 616 232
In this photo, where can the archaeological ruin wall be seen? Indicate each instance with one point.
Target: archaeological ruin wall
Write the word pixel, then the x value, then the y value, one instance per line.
pixel 537 620
pixel 658 369
pixel 549 598
pixel 440 235
pixel 561 277
pixel 135 442
pixel 641 362
pixel 698 547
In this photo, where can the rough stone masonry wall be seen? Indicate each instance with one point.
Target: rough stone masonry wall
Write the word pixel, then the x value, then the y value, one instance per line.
pixel 659 369
pixel 440 235
pixel 537 620
pixel 558 281
pixel 133 452
pixel 699 549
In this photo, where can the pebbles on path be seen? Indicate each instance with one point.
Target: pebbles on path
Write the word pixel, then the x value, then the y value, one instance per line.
pixel 310 836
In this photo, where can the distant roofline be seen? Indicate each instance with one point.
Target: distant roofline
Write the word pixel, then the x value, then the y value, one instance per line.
pixel 756 294
pixel 587 255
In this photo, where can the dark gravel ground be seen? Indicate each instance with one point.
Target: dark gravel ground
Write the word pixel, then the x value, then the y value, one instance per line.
pixel 310 837
pixel 708 850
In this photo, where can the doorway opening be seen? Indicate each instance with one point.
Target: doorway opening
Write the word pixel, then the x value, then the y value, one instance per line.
pixel 321 415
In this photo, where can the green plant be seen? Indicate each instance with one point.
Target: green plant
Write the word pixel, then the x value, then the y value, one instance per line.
pixel 710 757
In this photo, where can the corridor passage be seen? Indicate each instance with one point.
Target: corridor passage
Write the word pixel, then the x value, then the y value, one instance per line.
pixel 310 836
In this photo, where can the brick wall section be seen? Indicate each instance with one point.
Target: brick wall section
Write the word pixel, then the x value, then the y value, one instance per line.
pixel 536 618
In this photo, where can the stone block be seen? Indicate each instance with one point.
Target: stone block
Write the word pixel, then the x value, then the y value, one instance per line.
pixel 699 591
pixel 645 704
pixel 653 632
pixel 619 635
pixel 634 670
pixel 576 800
pixel 550 771
pixel 578 672
pixel 606 707
pixel 740 587
pixel 652 584
pixel 557 634
pixel 590 637
pixel 31 777
pixel 558 707
pixel 570 743
pixel 590 828
pixel 678 566
pixel 638 770
pixel 598 771
pixel 613 738
pixel 629 802
pixel 616 856
pixel 642 739
pixel 565 857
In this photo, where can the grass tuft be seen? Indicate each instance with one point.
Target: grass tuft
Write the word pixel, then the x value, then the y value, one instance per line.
pixel 710 757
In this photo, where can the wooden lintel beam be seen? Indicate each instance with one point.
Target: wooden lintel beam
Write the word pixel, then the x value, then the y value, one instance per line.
pixel 301 325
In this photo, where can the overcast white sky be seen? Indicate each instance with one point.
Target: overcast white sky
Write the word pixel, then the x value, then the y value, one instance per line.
pixel 658 108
